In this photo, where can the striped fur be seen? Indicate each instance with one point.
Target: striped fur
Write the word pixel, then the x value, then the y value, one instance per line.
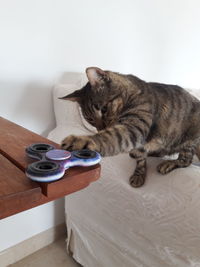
pixel 138 117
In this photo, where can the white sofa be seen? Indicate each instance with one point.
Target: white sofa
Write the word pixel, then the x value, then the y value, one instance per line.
pixel 111 224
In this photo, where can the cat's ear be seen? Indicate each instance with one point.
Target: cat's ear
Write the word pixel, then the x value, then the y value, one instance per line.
pixel 96 76
pixel 75 96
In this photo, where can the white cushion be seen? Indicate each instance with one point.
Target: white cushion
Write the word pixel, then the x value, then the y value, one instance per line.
pixel 66 111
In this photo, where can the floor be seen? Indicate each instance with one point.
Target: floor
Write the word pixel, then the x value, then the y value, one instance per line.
pixel 53 255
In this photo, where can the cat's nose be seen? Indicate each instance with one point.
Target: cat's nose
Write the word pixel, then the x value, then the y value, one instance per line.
pixel 100 125
pixel 99 128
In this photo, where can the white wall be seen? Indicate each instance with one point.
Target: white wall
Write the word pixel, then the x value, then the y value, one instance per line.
pixel 157 40
pixel 17 228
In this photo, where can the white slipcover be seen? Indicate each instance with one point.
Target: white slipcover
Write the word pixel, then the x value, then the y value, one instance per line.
pixel 111 224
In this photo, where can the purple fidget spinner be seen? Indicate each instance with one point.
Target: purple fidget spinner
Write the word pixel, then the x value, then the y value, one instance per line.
pixel 53 162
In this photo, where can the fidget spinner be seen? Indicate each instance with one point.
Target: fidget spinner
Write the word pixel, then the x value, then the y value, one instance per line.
pixel 53 162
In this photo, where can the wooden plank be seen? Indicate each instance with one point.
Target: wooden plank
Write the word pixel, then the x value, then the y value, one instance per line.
pixel 10 206
pixel 19 138
pixel 75 179
pixel 15 189
pixel 13 141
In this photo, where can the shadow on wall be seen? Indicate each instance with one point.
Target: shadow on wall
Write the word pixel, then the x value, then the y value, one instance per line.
pixel 33 108
pixel 59 211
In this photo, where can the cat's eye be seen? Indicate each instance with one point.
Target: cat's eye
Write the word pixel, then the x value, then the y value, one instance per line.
pixel 89 119
pixel 104 109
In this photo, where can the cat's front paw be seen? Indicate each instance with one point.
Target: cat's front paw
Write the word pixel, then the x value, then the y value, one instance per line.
pixel 167 166
pixel 137 179
pixel 73 142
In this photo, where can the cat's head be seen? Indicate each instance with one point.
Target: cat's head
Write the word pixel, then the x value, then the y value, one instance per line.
pixel 102 98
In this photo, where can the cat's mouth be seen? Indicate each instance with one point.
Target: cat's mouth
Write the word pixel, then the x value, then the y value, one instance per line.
pixel 100 125
pixel 100 128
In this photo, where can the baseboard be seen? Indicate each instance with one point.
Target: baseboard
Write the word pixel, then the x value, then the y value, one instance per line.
pixel 31 245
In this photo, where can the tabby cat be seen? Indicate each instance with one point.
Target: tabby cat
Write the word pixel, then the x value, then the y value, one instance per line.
pixel 142 118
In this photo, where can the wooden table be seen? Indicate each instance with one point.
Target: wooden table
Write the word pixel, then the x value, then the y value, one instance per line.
pixel 19 193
